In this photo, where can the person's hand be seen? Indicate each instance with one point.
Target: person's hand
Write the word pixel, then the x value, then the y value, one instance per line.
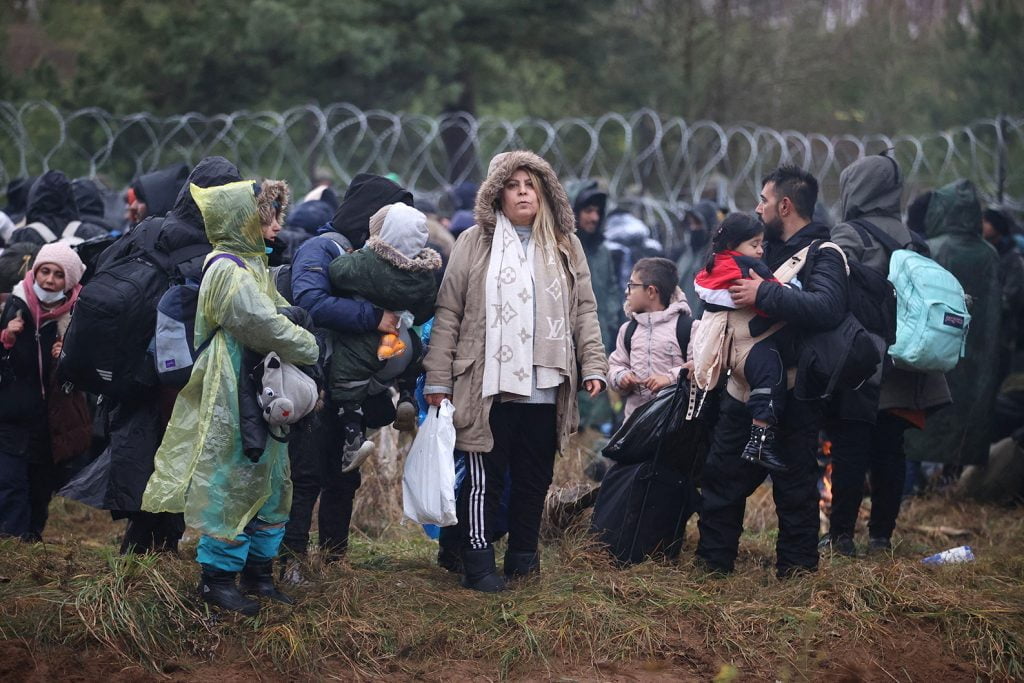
pixel 658 382
pixel 436 399
pixel 57 346
pixel 15 326
pixel 629 382
pixel 688 366
pixel 744 292
pixel 593 387
pixel 388 323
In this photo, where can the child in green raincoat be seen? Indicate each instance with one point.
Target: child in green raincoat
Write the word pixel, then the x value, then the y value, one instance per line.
pixel 239 506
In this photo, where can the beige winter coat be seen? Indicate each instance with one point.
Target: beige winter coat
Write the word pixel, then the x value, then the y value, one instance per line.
pixel 455 358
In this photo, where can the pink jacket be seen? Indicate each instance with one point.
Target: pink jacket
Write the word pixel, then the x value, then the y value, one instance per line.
pixel 654 351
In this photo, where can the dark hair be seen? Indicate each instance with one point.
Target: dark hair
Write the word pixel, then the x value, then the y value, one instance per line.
pixel 798 185
pixel 999 221
pixel 736 229
pixel 917 210
pixel 659 272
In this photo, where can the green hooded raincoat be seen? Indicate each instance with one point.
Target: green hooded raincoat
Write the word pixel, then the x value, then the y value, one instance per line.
pixel 960 433
pixel 200 468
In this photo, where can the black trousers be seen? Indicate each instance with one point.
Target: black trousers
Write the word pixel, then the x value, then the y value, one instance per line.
pixel 315 455
pixel 859 449
pixel 766 376
pixel 152 531
pixel 728 481
pixel 525 441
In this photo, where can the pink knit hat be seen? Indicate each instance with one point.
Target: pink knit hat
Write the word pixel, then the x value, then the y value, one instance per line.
pixel 59 253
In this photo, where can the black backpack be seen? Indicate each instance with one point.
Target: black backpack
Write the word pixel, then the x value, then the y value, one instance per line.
pixel 105 347
pixel 872 296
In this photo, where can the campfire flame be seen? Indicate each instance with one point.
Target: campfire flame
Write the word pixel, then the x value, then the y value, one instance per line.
pixel 825 503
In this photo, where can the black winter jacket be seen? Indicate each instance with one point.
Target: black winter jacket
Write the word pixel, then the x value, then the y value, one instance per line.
pixel 22 406
pixel 821 302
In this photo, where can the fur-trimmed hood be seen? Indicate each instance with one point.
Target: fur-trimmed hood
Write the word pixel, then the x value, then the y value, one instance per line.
pixel 427 261
pixel 501 168
pixel 272 200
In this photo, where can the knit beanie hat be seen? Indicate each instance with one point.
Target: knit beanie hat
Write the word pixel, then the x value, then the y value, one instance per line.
pixel 59 253
pixel 273 201
pixel 402 227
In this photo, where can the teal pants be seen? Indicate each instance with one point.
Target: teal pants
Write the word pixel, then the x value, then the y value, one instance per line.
pixel 258 540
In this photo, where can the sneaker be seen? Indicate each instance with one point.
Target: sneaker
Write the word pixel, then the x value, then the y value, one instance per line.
pixel 406 413
pixel 356 449
pixel 760 449
pixel 839 545
pixel 292 573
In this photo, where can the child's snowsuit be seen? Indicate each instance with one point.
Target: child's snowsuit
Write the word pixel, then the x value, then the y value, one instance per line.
pixel 745 341
pixel 384 273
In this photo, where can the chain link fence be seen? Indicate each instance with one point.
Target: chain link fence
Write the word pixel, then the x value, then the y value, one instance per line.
pixel 659 165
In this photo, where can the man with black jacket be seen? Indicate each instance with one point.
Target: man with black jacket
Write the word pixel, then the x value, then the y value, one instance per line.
pixel 786 206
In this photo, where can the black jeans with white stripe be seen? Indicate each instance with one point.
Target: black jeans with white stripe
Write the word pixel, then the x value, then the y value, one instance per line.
pixel 524 446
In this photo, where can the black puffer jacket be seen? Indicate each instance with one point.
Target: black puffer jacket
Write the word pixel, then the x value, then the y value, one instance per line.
pixel 821 302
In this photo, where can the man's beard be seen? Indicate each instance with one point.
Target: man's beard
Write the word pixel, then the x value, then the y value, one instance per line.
pixel 773 229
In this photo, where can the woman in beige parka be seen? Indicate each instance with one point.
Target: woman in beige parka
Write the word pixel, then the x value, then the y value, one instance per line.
pixel 515 335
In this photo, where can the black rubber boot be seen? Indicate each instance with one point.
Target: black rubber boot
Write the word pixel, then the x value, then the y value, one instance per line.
pixel 521 564
pixel 481 573
pixel 219 589
pixel 760 450
pixel 258 579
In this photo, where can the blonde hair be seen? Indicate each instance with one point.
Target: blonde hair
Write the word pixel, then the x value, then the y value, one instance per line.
pixel 544 229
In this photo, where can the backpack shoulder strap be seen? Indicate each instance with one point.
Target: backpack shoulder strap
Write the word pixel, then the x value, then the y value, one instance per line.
pixel 43 231
pixel 684 323
pixel 224 257
pixel 340 240
pixel 864 226
pixel 818 245
pixel 627 340
pixel 70 229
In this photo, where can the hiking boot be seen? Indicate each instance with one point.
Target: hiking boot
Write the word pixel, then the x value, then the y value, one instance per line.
pixel 219 589
pixel 521 564
pixel 760 450
pixel 258 579
pixel 480 572
pixel 449 560
pixel 879 544
pixel 840 545
pixel 356 449
pixel 406 413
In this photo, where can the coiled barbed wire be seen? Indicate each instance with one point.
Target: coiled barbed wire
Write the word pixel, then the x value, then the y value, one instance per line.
pixel 658 164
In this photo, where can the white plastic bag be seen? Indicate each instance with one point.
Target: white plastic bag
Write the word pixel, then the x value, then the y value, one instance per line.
pixel 428 482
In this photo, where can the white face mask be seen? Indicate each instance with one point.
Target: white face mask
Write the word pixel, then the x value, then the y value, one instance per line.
pixel 45 296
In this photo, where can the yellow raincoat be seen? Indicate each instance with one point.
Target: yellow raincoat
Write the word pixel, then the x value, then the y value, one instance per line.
pixel 200 468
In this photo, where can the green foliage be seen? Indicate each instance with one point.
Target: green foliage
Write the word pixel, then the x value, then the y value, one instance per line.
pixel 803 64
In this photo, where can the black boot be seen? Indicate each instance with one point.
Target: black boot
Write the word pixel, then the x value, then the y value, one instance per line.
pixel 406 412
pixel 481 573
pixel 760 450
pixel 258 579
pixel 219 589
pixel 521 564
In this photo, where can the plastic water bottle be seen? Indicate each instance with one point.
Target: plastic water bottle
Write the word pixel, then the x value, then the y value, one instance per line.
pixel 951 556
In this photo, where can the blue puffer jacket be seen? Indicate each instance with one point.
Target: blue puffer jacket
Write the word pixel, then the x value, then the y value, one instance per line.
pixel 311 287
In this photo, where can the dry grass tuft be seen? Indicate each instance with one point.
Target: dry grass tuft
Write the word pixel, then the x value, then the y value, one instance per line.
pixel 388 610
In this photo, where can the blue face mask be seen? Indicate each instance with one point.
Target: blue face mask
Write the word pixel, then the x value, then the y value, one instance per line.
pixel 45 296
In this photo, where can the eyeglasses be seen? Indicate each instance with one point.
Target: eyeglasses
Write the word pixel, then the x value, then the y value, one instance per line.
pixel 630 285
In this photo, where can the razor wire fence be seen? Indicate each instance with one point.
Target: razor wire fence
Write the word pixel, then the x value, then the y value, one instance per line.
pixel 658 165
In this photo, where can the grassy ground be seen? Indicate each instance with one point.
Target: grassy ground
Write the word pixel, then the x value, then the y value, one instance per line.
pixel 72 608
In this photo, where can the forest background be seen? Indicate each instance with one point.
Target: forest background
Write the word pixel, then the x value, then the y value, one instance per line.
pixel 828 66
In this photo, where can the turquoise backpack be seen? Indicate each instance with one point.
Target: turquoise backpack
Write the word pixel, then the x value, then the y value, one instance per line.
pixel 931 309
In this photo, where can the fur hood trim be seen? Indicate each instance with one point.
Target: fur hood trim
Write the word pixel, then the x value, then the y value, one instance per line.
pixel 273 191
pixel 426 261
pixel 501 169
